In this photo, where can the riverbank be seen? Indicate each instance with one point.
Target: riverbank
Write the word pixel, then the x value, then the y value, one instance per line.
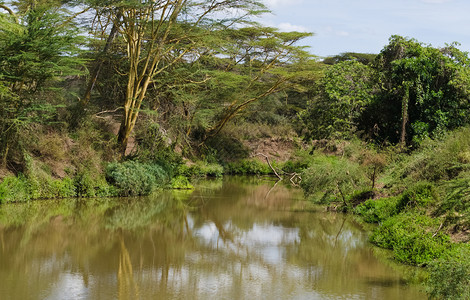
pixel 418 200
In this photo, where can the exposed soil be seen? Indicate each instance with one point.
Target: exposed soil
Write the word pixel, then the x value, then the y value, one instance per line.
pixel 275 148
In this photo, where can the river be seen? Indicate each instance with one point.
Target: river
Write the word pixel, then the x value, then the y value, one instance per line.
pixel 237 238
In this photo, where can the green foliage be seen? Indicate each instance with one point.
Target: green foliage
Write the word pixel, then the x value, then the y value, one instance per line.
pixel 248 167
pixel 204 169
pixel 450 275
pixel 377 210
pixel 87 185
pixel 295 166
pixel 14 189
pixel 21 188
pixel 330 178
pixel 132 178
pixel 181 182
pixel 34 57
pixel 456 202
pixel 345 91
pixel 439 159
pixel 227 147
pixel 63 188
pixel 45 49
pixel 364 58
pixel 419 195
pixel 414 238
pixel 423 90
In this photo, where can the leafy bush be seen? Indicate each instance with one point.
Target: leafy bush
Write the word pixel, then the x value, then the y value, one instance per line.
pixel 227 147
pixel 181 182
pixel 295 166
pixel 457 194
pixel 359 196
pixel 203 169
pixel 14 189
pixel 419 195
pixel 414 238
pixel 456 202
pixel 376 211
pixel 87 185
pixel 332 178
pixel 21 188
pixel 132 178
pixel 436 160
pixel 450 276
pixel 248 167
pixel 63 188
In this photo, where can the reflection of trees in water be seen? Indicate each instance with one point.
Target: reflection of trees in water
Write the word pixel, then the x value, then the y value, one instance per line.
pixel 127 288
pixel 154 247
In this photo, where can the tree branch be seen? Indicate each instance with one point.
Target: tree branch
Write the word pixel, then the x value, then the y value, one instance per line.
pixel 269 163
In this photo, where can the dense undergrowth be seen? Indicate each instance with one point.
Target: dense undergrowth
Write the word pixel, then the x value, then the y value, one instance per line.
pixel 420 202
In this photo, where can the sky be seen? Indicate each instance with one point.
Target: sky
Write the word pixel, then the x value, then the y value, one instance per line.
pixel 366 25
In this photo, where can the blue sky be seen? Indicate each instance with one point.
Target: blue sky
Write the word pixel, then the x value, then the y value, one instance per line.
pixel 366 25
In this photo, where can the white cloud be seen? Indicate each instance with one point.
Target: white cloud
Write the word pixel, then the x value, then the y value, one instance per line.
pixel 277 3
pixel 333 32
pixel 342 33
pixel 286 27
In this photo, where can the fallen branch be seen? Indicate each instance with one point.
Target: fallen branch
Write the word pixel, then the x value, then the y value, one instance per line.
pixel 269 163
pixel 97 115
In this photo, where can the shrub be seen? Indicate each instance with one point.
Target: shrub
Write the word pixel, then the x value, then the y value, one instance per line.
pixel 359 196
pixel 63 188
pixel 436 160
pixel 295 166
pixel 414 238
pixel 457 195
pixel 227 147
pixel 87 185
pixel 14 189
pixel 132 178
pixel 376 211
pixel 332 178
pixel 419 195
pixel 204 169
pixel 450 276
pixel 181 183
pixel 248 167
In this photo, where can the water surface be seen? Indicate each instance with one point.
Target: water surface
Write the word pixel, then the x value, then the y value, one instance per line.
pixel 234 239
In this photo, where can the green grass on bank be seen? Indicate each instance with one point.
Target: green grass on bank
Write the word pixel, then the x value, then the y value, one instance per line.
pixel 419 200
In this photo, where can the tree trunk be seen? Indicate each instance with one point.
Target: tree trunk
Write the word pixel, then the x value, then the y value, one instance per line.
pixel 404 116
pixel 123 138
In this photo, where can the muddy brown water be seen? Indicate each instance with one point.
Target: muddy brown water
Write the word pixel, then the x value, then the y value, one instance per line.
pixel 239 238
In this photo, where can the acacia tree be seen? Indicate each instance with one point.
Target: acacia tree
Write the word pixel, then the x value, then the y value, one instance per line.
pixel 38 48
pixel 157 34
pixel 259 61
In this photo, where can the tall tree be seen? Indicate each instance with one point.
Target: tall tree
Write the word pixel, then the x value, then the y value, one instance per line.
pixel 259 61
pixel 343 93
pixel 158 34
pixel 33 55
pixel 424 91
